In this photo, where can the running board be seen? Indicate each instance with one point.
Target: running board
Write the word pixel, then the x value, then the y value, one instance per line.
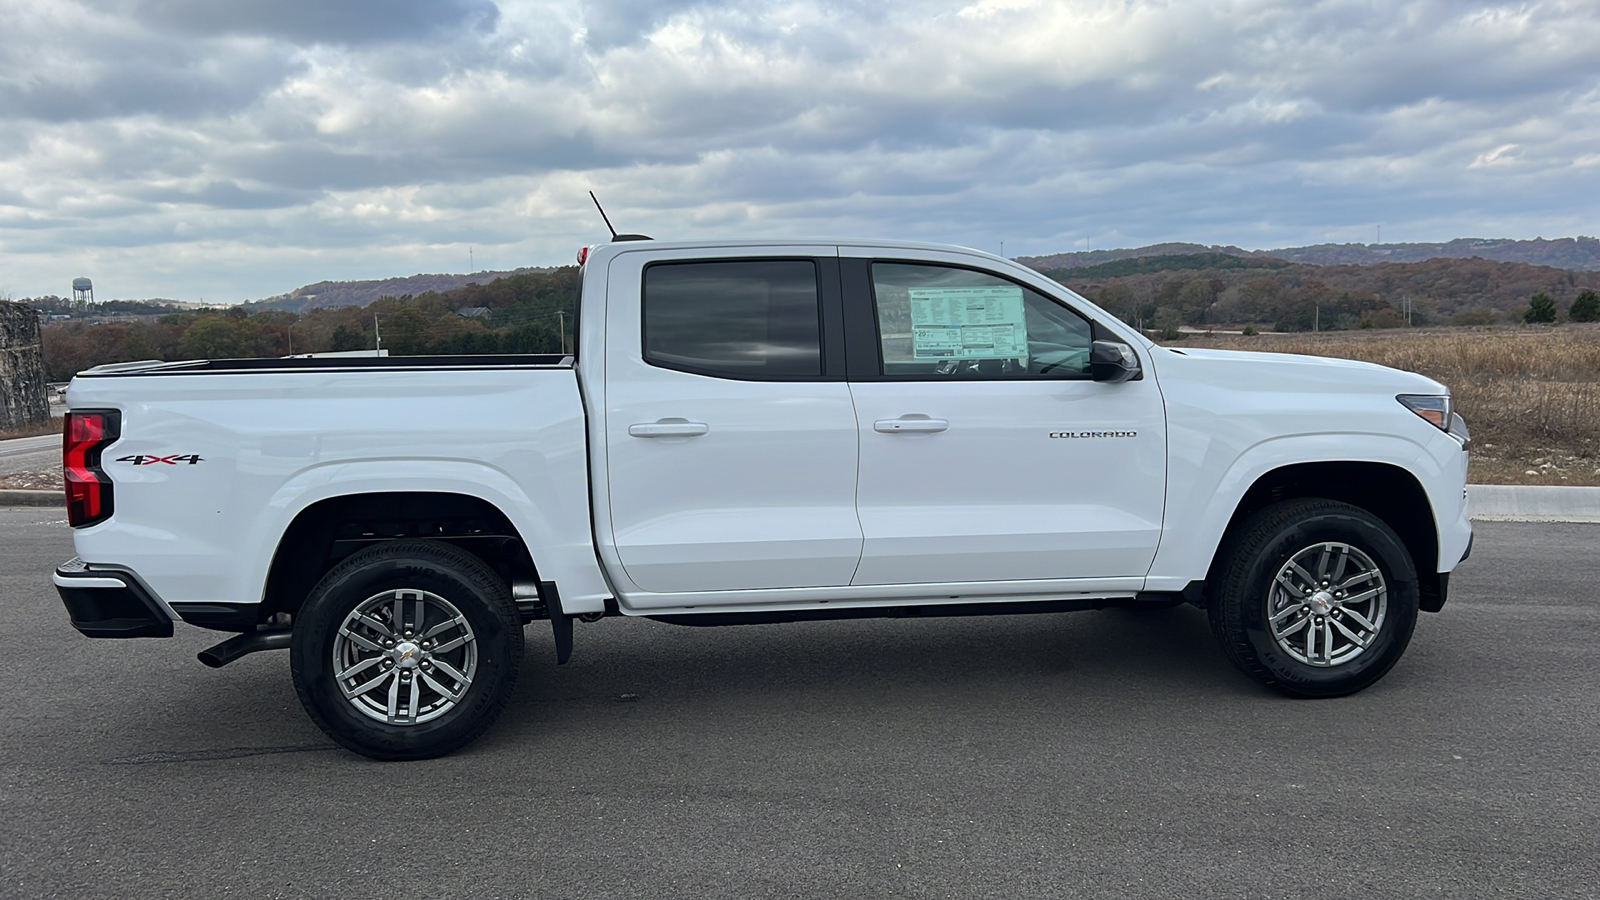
pixel 243 645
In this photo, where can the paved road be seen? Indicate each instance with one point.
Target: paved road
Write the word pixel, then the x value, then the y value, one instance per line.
pixel 30 454
pixel 1083 755
pixel 28 446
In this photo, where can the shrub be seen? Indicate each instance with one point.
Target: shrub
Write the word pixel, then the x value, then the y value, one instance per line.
pixel 1541 310
pixel 1386 317
pixel 1586 308
pixel 1167 322
pixel 1479 315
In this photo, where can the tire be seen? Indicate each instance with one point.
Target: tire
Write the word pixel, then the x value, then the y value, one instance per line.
pixel 393 693
pixel 1317 598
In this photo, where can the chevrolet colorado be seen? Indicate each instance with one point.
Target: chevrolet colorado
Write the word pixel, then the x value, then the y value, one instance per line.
pixel 748 432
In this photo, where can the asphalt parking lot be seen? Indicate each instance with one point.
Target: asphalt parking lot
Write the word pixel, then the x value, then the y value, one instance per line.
pixel 1105 754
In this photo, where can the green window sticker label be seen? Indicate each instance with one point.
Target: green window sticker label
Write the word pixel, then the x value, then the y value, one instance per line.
pixel 968 323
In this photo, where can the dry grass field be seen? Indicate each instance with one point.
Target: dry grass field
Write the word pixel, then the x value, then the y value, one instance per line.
pixel 1531 396
pixel 54 426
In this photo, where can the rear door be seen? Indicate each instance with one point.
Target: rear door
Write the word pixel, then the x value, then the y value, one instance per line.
pixel 731 443
pixel 987 452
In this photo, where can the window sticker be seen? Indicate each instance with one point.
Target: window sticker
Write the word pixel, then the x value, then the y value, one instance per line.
pixel 968 323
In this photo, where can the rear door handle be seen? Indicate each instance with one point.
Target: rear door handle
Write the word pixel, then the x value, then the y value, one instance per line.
pixel 921 424
pixel 668 428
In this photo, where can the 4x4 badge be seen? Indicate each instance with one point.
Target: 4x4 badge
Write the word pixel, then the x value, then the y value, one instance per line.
pixel 145 459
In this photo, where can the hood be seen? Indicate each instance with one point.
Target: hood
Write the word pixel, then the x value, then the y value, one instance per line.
pixel 1292 371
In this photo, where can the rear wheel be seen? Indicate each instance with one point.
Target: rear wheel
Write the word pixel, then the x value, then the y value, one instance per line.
pixel 406 650
pixel 1317 598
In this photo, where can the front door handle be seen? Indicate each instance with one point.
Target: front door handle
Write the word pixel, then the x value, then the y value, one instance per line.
pixel 920 424
pixel 668 428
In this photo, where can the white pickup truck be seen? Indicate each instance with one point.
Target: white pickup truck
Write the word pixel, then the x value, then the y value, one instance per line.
pixel 755 432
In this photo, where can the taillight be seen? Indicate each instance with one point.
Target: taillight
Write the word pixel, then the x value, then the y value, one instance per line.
pixel 87 433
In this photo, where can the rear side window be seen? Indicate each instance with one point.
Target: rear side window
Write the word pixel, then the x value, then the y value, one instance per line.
pixel 750 319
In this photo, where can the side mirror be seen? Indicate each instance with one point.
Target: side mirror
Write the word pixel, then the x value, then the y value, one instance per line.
pixel 1112 362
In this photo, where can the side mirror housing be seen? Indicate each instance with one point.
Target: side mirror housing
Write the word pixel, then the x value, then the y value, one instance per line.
pixel 1112 362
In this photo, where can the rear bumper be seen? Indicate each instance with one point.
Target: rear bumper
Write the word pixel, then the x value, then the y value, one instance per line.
pixel 109 603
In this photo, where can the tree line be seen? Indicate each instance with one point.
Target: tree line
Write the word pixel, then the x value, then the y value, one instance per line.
pixel 525 313
pixel 533 312
pixel 1166 292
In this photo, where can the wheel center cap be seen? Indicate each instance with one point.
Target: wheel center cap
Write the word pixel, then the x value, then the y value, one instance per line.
pixel 407 655
pixel 1321 603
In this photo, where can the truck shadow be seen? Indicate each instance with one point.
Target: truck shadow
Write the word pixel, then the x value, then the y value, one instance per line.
pixel 862 664
pixel 628 675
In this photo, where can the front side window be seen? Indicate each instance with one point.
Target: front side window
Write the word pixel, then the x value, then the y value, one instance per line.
pixel 751 319
pixel 945 322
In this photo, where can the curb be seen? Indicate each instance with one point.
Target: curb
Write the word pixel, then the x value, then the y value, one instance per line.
pixel 32 498
pixel 1533 503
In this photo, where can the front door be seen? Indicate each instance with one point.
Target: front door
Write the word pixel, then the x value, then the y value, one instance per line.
pixel 987 453
pixel 730 434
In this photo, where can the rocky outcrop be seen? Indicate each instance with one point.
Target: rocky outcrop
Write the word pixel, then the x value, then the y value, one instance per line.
pixel 22 387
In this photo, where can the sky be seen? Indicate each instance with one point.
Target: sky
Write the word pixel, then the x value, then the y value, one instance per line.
pixel 226 151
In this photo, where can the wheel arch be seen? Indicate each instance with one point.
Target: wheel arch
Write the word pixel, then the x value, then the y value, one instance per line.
pixel 1388 491
pixel 548 513
pixel 327 531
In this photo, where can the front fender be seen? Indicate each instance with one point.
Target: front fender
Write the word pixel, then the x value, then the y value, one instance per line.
pixel 1198 514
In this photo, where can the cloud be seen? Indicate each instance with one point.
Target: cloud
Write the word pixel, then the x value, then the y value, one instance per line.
pixel 608 25
pixel 101 66
pixel 273 134
pixel 317 21
pixel 225 195
pixel 1503 155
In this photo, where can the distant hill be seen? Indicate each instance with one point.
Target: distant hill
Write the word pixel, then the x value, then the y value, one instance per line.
pixel 1172 262
pixel 61 306
pixel 1101 257
pixel 1580 253
pixel 334 294
pixel 1208 289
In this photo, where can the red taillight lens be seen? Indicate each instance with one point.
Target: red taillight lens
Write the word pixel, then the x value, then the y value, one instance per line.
pixel 87 433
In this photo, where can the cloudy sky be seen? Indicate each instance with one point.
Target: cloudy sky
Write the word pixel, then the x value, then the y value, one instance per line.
pixel 234 150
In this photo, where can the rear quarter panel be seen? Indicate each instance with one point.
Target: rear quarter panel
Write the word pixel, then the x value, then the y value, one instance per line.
pixel 272 443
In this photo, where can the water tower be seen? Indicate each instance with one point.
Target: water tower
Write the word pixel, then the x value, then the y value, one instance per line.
pixel 82 294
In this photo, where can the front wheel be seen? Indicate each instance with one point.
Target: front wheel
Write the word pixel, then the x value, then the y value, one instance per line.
pixel 406 650
pixel 1317 598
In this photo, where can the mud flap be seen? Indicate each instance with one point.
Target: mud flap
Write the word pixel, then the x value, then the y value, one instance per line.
pixel 560 622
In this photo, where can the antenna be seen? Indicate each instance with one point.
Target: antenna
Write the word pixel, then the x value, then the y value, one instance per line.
pixel 614 235
pixel 603 215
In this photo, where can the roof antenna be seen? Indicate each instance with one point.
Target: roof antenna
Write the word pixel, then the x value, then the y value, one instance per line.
pixel 603 214
pixel 614 235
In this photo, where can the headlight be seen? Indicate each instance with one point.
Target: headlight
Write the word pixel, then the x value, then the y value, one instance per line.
pixel 1433 407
